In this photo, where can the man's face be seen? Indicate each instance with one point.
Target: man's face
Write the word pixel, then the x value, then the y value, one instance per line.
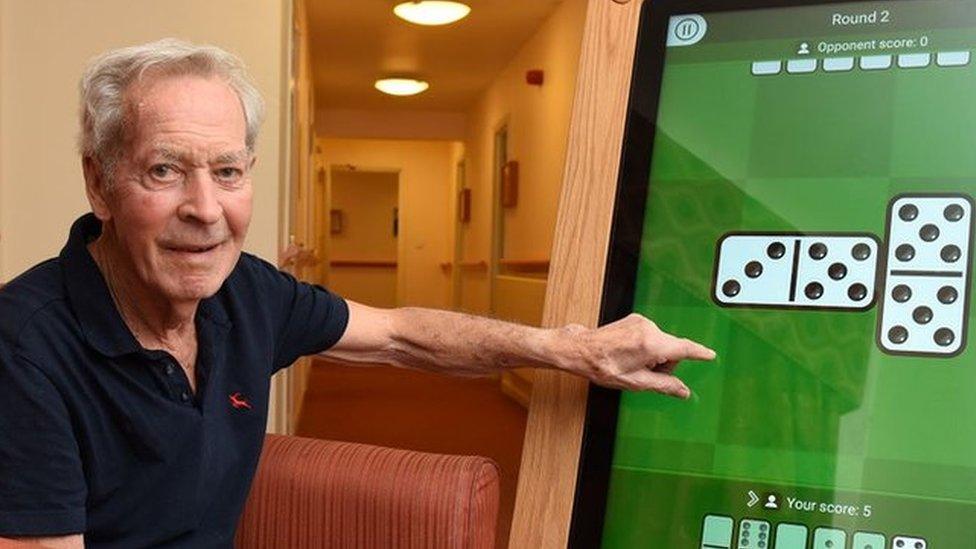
pixel 180 200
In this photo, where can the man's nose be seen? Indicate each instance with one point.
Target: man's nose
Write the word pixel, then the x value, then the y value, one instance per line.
pixel 200 202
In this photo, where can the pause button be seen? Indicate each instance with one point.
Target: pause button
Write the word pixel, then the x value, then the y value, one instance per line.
pixel 685 30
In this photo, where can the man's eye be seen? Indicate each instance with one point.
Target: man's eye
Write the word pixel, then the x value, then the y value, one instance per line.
pixel 164 172
pixel 228 174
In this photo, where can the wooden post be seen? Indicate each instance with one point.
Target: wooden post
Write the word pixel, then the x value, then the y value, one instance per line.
pixel 550 458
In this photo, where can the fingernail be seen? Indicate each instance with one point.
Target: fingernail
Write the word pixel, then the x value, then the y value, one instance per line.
pixel 684 393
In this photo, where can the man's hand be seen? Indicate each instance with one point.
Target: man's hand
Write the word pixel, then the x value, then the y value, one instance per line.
pixel 631 354
pixel 289 256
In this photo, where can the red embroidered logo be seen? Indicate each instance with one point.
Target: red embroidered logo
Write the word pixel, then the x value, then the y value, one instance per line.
pixel 238 401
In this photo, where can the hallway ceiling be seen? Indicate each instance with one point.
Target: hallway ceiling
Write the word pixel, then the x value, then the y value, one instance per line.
pixel 354 42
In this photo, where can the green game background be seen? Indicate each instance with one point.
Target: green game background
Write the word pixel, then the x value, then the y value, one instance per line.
pixel 798 402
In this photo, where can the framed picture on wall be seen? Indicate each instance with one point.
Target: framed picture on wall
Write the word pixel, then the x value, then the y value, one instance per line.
pixel 510 184
pixel 335 221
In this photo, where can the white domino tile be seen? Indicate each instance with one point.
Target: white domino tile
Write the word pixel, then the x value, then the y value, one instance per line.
pixel 927 256
pixel 952 58
pixel 875 62
pixel 870 540
pixel 815 288
pixel 801 66
pixel 914 60
pixel 771 287
pixel 766 68
pixel 829 538
pixel 753 534
pixel 836 271
pixel 906 542
pixel 915 317
pixel 838 64
pixel 792 536
pixel 920 338
pixel 717 532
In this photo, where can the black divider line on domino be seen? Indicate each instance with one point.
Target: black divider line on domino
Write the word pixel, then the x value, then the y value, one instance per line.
pixel 934 274
pixel 796 268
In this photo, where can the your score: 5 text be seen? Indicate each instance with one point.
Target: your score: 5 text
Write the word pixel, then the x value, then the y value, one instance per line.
pixel 830 508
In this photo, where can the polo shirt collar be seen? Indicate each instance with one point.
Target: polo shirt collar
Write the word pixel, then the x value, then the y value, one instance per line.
pixel 93 305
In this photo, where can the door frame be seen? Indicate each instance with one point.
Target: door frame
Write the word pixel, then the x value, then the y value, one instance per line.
pixel 500 141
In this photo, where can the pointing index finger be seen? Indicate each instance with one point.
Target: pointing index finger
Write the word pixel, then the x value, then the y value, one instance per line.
pixel 696 351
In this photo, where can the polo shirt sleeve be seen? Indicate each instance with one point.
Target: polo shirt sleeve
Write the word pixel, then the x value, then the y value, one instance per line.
pixel 42 484
pixel 308 319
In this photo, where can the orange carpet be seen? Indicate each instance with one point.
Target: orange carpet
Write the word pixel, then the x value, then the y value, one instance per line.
pixel 399 408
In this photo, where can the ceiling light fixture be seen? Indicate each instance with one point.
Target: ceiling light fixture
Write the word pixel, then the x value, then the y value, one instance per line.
pixel 401 86
pixel 432 12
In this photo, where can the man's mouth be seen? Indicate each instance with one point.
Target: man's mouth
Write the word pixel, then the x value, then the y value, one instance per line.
pixel 192 249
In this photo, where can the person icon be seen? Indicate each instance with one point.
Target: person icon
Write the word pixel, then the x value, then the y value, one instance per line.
pixel 771 502
pixel 804 49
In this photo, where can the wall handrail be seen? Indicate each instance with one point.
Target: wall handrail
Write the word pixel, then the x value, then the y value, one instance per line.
pixel 368 263
pixel 466 266
pixel 525 265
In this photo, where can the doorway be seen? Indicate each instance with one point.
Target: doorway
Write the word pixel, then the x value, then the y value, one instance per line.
pixel 364 230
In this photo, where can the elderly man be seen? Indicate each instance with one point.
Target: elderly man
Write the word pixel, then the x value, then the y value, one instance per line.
pixel 135 366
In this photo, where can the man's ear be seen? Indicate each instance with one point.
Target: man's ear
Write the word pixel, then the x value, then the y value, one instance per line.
pixel 95 188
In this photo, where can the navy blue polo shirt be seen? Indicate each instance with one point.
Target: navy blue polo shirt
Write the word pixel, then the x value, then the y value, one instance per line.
pixel 101 436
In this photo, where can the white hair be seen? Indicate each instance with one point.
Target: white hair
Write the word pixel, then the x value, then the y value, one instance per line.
pixel 108 76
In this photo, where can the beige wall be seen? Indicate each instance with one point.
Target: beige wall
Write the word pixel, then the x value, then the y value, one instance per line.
pixel 365 201
pixel 44 45
pixel 360 124
pixel 538 124
pixel 426 172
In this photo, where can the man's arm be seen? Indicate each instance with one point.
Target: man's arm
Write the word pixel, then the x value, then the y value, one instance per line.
pixel 632 353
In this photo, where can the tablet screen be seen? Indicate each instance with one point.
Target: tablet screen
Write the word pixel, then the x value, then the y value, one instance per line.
pixel 809 215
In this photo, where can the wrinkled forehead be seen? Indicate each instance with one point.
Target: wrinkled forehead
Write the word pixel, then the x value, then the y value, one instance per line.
pixel 180 154
pixel 200 110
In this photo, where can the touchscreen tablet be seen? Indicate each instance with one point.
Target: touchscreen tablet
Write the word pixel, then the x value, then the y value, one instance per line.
pixel 796 192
